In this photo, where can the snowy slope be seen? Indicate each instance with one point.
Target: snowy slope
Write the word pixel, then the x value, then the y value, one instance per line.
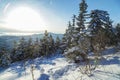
pixel 58 68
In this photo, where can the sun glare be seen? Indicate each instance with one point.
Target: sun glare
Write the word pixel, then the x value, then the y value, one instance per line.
pixel 25 19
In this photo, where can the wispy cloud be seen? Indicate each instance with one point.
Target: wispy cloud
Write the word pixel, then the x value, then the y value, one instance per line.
pixel 5 29
pixel 6 7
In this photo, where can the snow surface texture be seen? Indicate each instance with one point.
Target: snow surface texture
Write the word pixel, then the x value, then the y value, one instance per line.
pixel 58 68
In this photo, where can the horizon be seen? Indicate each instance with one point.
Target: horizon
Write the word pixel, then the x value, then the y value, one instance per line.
pixel 51 15
pixel 25 33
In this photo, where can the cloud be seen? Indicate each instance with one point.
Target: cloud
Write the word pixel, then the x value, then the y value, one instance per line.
pixel 4 29
pixel 6 7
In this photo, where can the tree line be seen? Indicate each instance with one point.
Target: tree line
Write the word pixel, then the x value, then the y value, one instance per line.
pixel 30 49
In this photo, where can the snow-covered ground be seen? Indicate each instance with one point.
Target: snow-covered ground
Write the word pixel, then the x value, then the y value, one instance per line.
pixel 58 68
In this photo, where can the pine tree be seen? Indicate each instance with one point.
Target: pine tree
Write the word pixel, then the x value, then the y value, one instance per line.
pixel 74 21
pixel 67 36
pixel 74 32
pixel 57 43
pixel 100 28
pixel 36 41
pixel 77 36
pixel 51 45
pixel 29 50
pixel 100 19
pixel 37 48
pixel 21 51
pixel 14 51
pixel 46 43
pixel 5 59
pixel 42 47
pixel 80 42
pixel 81 18
pixel 118 32
pixel 46 34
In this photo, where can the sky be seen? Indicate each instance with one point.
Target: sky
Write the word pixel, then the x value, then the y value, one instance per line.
pixel 52 15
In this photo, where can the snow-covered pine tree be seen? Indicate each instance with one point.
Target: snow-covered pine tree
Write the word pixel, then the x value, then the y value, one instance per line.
pixel 82 15
pixel 101 23
pixel 74 21
pixel 14 51
pixel 29 50
pixel 5 59
pixel 74 32
pixel 45 43
pixel 67 37
pixel 21 49
pixel 79 39
pixel 100 26
pixel 68 34
pixel 57 42
pixel 41 47
pixel 118 32
pixel 37 48
pixel 51 45
pixel 75 36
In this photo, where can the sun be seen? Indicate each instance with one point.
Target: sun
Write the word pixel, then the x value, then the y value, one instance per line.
pixel 25 19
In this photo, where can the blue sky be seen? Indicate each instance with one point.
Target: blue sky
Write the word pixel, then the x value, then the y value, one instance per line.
pixel 58 12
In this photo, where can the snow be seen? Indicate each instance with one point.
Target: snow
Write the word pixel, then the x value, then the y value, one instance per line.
pixel 58 68
pixel 72 49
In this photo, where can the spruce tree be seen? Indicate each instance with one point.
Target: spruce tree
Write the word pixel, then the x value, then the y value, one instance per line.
pixel 21 51
pixel 78 38
pixel 42 47
pixel 29 51
pixel 82 14
pixel 14 51
pixel 67 36
pixel 46 43
pixel 37 48
pixel 74 21
pixel 100 19
pixel 57 43
pixel 118 32
pixel 5 59
pixel 100 28
pixel 51 45
pixel 74 32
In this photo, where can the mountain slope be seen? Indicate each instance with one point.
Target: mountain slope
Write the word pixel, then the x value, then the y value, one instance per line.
pixel 58 68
